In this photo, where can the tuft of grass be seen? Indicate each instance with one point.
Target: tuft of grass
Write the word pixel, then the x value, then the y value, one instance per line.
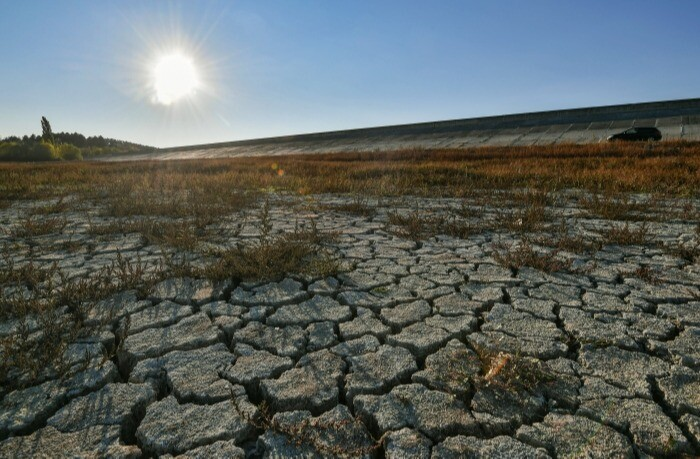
pixel 177 193
pixel 181 265
pixel 135 275
pixel 180 234
pixel 416 226
pixel 689 251
pixel 60 306
pixel 471 210
pixel 55 207
pixel 272 259
pixel 526 219
pixel 512 372
pixel 72 246
pixel 29 226
pixel 38 289
pixel 274 256
pixel 523 254
pixel 30 274
pixel 647 274
pixel 358 206
pixel 612 206
pixel 562 240
pixel 531 198
pixel 412 226
pixel 312 433
pixel 626 235
pixel 28 355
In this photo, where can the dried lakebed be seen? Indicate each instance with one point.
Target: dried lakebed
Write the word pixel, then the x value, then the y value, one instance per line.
pixel 421 345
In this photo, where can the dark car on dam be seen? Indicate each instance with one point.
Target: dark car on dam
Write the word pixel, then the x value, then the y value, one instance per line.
pixel 637 133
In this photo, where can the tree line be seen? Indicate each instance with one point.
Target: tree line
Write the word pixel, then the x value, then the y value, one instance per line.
pixel 53 146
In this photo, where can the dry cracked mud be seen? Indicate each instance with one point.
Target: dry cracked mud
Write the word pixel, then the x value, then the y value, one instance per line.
pixel 432 346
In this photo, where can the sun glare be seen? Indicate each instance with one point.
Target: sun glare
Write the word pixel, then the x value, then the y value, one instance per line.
pixel 175 77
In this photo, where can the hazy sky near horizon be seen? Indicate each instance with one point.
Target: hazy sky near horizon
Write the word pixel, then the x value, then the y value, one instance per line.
pixel 268 68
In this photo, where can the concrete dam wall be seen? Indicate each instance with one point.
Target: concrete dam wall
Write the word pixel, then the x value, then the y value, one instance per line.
pixel 677 119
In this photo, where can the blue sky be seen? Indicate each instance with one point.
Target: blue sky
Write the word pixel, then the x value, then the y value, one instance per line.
pixel 283 67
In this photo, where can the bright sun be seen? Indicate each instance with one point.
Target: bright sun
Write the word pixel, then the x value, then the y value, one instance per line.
pixel 174 78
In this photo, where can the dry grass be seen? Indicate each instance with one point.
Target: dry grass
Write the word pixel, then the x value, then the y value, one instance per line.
pixel 41 295
pixel 512 372
pixel 523 254
pixel 272 260
pixel 358 206
pixel 174 187
pixel 688 251
pixel 626 235
pixel 176 194
pixel 173 204
pixel 41 288
pixel 275 255
pixel 30 226
pixel 29 274
pixel 530 217
pixel 646 274
pixel 178 233
pixel 562 239
pixel 614 206
pixel 314 434
pixel 58 206
pixel 27 355
pixel 416 226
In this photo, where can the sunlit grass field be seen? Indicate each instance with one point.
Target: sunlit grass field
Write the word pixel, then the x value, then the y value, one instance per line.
pixel 184 187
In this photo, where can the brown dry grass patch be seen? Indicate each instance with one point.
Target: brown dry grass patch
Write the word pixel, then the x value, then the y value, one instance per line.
pixel 626 235
pixel 29 226
pixel 417 226
pixel 523 254
pixel 273 256
pixel 174 187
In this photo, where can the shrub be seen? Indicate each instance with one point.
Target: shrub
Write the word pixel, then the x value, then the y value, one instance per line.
pixel 69 152
pixel 41 152
pixel 11 151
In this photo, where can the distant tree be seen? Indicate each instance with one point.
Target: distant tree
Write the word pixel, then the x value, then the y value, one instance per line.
pixel 46 133
pixel 62 145
pixel 72 138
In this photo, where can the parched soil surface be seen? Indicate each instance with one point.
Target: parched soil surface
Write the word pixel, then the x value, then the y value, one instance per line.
pixel 449 328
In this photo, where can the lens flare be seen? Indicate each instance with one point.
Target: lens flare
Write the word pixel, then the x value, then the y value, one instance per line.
pixel 175 77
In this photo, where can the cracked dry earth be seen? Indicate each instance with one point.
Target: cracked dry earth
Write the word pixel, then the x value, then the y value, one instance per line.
pixel 415 349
